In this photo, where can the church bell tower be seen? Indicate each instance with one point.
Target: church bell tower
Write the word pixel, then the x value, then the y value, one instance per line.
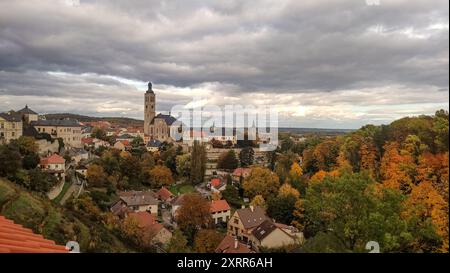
pixel 149 110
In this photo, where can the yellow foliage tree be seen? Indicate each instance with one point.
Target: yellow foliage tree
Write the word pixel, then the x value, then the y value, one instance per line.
pixel 286 190
pixel 259 201
pixel 261 181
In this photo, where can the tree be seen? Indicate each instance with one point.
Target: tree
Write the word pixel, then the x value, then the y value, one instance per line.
pixel 169 157
pixel 99 133
pixel 231 194
pixel 281 207
pixel 30 161
pixel 193 214
pixel 206 241
pixel 140 236
pixel 296 179
pixel 27 145
pixel 228 160
pixel 184 165
pixel 130 166
pixel 283 165
pixel 178 243
pixel 352 209
pixel 286 190
pixel 96 176
pixel 198 163
pixel 246 156
pixel 40 181
pixel 10 160
pixel 425 203
pixel 261 181
pixel 160 176
pixel 258 201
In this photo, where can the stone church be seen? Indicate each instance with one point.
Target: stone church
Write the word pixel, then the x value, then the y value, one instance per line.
pixel 156 126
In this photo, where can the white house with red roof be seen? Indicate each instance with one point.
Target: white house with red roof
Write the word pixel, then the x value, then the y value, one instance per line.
pixel 217 185
pixel 54 164
pixel 220 211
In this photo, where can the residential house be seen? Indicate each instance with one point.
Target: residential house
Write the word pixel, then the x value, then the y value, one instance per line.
pixel 54 164
pixel 156 231
pixel 94 142
pixel 272 235
pixel 239 174
pixel 153 145
pixel 122 145
pixel 220 211
pixel 176 204
pixel 230 244
pixel 69 130
pixel 217 185
pixel 134 201
pixel 165 195
pixel 11 126
pixel 244 220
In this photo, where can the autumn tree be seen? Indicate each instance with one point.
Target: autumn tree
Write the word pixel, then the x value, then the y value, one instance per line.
pixel 10 160
pixel 96 176
pixel 261 181
pixel 426 204
pixel 193 214
pixel 283 165
pixel 160 176
pixel 184 165
pixel 206 241
pixel 258 201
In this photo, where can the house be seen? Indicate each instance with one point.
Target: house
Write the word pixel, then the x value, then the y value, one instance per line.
pixel 69 130
pixel 165 195
pixel 240 174
pixel 54 164
pixel 272 235
pixel 217 185
pixel 176 204
pixel 134 201
pixel 230 244
pixel 81 170
pixel 220 211
pixel 153 145
pixel 122 145
pixel 94 142
pixel 157 232
pixel 11 126
pixel 244 220
pixel 78 155
pixel 14 238
pixel 28 115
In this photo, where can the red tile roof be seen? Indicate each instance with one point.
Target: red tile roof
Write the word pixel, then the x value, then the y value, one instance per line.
pixel 146 220
pixel 241 171
pixel 87 140
pixel 228 245
pixel 219 205
pixel 16 239
pixel 164 194
pixel 53 159
pixel 215 182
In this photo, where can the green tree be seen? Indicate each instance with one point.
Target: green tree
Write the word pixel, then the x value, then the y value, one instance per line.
pixel 178 243
pixel 246 156
pixel 41 181
pixel 231 194
pixel 228 160
pixel 198 163
pixel 99 133
pixel 10 160
pixel 184 165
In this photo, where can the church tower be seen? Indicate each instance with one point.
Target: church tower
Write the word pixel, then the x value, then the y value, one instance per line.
pixel 149 110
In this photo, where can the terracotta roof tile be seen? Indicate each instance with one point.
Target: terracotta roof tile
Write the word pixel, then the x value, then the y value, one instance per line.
pixel 219 205
pixel 53 159
pixel 15 238
pixel 230 245
pixel 164 194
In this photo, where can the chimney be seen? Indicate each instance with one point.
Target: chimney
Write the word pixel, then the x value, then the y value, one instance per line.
pixel 243 207
pixel 252 208
pixel 236 243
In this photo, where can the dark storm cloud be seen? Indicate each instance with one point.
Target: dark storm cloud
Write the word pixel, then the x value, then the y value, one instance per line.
pixel 259 47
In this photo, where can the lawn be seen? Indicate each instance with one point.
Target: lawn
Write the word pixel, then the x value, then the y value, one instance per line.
pixel 181 189
pixel 62 193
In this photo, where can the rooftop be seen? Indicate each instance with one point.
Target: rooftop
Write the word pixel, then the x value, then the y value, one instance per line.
pixel 252 216
pixel 219 205
pixel 53 159
pixel 15 238
pixel 11 116
pixel 27 110
pixel 230 245
pixel 138 198
pixel 57 123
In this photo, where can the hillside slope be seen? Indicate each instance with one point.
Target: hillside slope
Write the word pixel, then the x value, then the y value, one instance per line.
pixel 54 222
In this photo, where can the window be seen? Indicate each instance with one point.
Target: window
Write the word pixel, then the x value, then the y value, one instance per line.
pixel 236 221
pixel 2 125
pixel 13 134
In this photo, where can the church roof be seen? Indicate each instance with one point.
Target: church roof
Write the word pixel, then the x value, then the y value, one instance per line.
pixel 167 118
pixel 27 110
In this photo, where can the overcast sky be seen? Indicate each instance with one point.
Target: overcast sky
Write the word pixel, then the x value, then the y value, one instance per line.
pixel 330 64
